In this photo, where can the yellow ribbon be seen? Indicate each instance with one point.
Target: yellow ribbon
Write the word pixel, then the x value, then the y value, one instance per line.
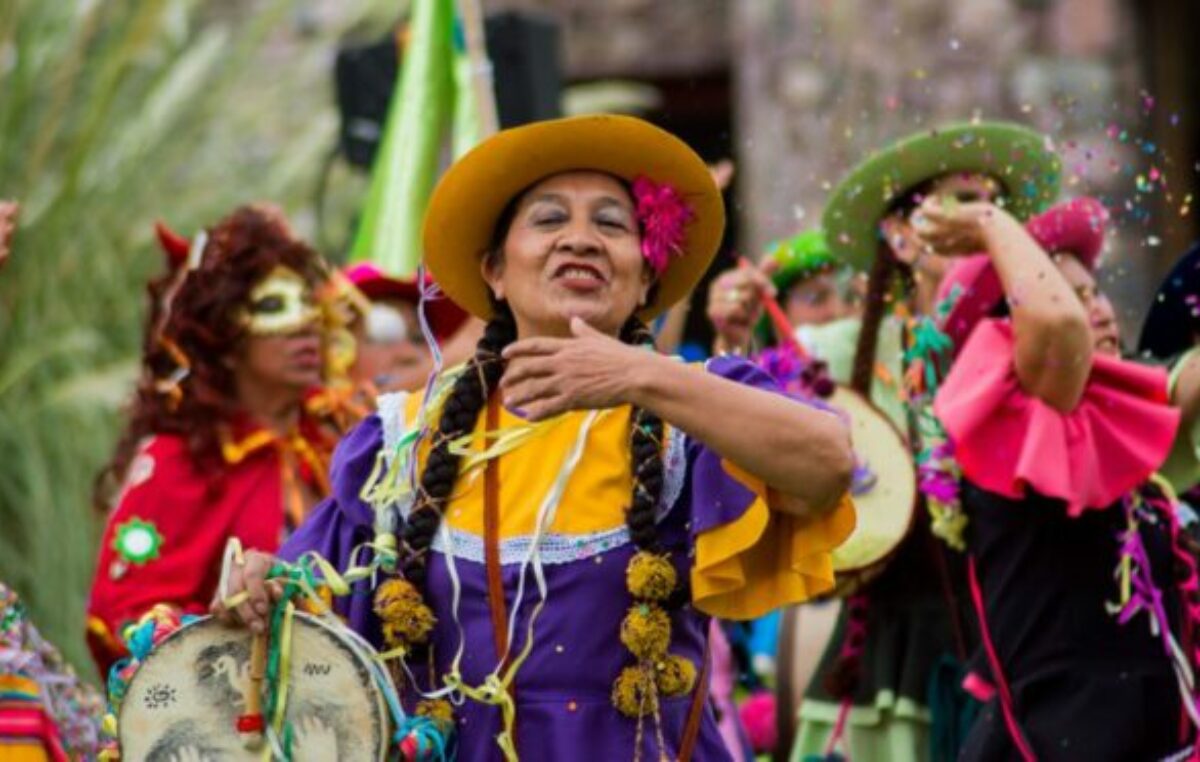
pixel 399 652
pixel 339 583
pixel 494 691
pixel 236 452
pixel 505 440
pixel 387 487
pixel 293 444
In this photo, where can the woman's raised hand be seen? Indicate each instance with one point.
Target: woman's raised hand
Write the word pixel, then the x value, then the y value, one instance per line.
pixel 954 228
pixel 547 376
pixel 735 304
pixel 250 577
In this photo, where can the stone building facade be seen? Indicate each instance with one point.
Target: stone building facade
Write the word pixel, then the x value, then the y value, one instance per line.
pixel 812 85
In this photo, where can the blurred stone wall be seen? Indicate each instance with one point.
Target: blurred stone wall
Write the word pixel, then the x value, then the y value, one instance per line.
pixel 818 83
pixel 632 38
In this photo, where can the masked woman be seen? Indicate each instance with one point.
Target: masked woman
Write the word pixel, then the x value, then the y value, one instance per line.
pixel 219 441
pixel 581 504
pixel 1085 598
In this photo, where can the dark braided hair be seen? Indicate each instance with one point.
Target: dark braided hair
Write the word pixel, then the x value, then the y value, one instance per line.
pixel 462 408
pixel 467 399
pixel 645 441
pixel 879 284
pixel 463 405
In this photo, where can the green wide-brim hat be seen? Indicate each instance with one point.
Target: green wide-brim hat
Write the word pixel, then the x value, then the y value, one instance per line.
pixel 1022 160
pixel 800 257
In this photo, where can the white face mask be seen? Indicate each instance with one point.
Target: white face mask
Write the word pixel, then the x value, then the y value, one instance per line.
pixel 385 325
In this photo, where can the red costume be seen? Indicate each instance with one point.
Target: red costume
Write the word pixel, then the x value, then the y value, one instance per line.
pixel 193 473
pixel 164 541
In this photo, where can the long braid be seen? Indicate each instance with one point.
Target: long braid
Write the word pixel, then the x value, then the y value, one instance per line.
pixel 459 415
pixel 646 446
pixel 878 286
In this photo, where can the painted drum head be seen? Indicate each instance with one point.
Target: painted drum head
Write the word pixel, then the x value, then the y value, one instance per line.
pixel 184 700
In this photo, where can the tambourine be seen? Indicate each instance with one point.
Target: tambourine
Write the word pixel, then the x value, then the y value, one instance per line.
pixel 887 506
pixel 185 700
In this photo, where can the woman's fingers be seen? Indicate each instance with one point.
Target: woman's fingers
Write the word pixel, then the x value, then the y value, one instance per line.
pixel 547 407
pixel 521 394
pixel 521 368
pixel 761 281
pixel 250 577
pixel 260 600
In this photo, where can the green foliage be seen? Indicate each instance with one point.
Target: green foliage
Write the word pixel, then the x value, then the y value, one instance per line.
pixel 113 114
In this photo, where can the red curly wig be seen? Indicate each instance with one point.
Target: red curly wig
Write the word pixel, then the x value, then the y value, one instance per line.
pixel 202 321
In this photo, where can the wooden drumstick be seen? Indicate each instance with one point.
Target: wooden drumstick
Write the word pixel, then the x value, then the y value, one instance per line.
pixel 251 725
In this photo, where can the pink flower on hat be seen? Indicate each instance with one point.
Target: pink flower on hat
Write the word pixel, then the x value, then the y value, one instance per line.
pixel 664 216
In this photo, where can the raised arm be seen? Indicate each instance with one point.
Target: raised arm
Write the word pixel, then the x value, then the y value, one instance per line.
pixel 1053 355
pixel 802 453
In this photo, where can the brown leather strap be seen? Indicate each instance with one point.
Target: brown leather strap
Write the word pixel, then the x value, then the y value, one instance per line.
pixel 691 731
pixel 491 551
pixel 491 540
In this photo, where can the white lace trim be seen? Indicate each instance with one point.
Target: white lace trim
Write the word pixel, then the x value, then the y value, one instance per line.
pixel 556 549
pixel 559 549
pixel 391 415
pixel 674 472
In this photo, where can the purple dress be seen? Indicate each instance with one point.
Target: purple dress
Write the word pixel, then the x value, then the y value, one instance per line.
pixel 563 690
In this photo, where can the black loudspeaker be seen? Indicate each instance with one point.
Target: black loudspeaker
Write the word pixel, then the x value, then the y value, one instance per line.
pixel 364 77
pixel 525 54
pixel 527 75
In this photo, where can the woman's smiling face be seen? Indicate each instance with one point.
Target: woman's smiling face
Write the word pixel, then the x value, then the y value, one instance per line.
pixel 573 249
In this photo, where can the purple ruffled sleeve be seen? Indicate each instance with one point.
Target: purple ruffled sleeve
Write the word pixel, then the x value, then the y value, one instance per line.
pixel 718 498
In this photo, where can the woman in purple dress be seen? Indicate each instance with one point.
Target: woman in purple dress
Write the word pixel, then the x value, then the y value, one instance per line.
pixel 569 508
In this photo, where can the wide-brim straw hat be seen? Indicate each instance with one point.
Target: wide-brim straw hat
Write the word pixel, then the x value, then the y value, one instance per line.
pixel 470 197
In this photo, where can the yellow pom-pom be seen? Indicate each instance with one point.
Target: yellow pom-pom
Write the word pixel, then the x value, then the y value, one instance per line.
pixel 322 604
pixel 440 711
pixel 646 631
pixel 650 576
pixel 634 693
pixel 405 617
pixel 675 675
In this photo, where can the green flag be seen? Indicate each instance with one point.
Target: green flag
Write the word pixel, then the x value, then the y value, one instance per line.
pixel 406 166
